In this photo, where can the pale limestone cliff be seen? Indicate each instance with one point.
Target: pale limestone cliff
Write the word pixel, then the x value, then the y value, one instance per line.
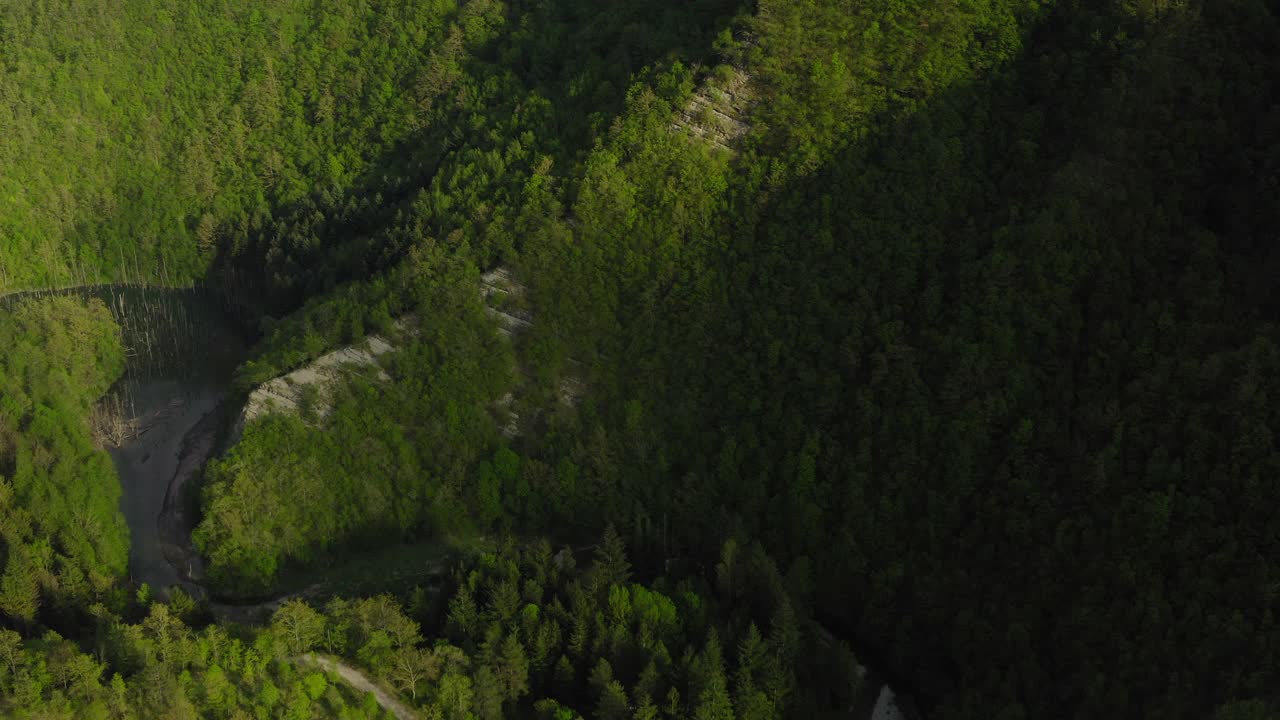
pixel 717 111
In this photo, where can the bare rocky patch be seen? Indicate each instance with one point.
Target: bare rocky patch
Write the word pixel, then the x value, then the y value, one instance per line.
pixel 311 387
pixel 308 391
pixel 505 301
pixel 718 109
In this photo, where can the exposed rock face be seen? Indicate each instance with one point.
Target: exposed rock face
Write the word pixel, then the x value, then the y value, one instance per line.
pixel 504 301
pixel 501 293
pixel 572 389
pixel 288 393
pixel 311 385
pixel 716 111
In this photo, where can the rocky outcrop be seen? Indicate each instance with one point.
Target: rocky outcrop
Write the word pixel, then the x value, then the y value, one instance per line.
pixel 312 384
pixel 717 111
pixel 504 299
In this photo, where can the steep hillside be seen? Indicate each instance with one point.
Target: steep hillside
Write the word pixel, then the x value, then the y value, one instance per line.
pixel 941 331
pixel 63 539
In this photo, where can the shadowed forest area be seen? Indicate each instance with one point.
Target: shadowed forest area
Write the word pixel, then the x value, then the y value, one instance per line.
pixel 840 343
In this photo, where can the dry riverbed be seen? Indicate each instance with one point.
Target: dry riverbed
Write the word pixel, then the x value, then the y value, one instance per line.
pixel 166 412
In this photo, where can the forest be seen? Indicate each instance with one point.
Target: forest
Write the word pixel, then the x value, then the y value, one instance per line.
pixel 744 357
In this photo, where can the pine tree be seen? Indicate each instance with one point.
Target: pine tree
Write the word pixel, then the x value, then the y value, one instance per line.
pixel 513 669
pixel 751 658
pixel 611 564
pixel 487 701
pixel 463 615
pixel 645 709
pixel 613 702
pixel 708 683
pixel 726 571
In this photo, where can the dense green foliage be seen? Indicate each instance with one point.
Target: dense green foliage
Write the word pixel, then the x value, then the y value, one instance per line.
pixel 62 536
pixel 296 145
pixel 924 309
pixel 601 646
pixel 972 330
pixel 521 633
pixel 160 667
pixel 935 368
pixel 526 635
pixel 999 359
pixel 141 139
pixel 391 458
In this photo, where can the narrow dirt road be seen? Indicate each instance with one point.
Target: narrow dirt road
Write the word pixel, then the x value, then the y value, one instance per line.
pixel 357 680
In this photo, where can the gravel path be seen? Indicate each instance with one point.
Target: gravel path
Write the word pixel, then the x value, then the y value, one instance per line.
pixel 357 680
